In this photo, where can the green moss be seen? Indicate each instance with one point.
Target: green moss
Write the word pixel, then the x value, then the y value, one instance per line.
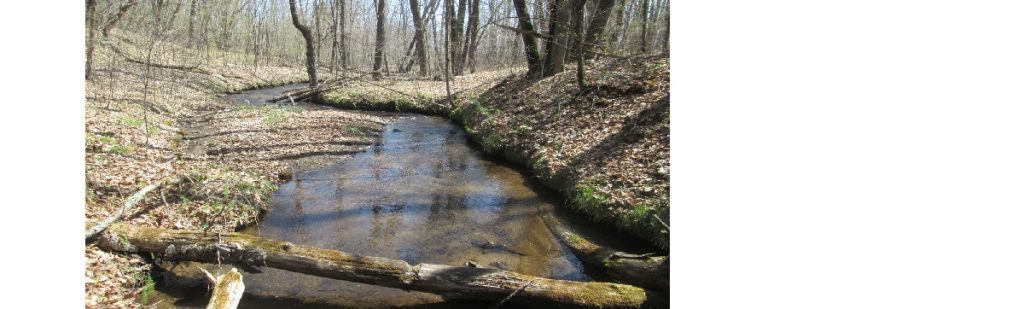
pixel 109 140
pixel 275 118
pixel 130 120
pixel 540 163
pixel 147 289
pixel 122 149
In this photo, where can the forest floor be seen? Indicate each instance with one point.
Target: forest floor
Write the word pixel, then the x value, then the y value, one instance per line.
pixel 605 147
pixel 229 157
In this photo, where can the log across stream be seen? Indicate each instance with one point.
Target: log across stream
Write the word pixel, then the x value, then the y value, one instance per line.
pixel 421 194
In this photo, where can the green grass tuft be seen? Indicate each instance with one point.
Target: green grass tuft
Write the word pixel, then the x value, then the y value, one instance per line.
pixel 122 149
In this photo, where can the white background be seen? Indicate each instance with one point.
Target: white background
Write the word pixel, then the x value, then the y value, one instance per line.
pixel 826 154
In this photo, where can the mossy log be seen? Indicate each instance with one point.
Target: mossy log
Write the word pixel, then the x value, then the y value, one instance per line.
pixel 227 289
pixel 646 270
pixel 452 282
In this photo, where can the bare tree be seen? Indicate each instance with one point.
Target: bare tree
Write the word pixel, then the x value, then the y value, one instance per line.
pixel 664 42
pixel 558 37
pixel 595 32
pixel 469 51
pixel 447 50
pixel 378 52
pixel 308 36
pixel 533 61
pixel 643 22
pixel 577 8
pixel 192 15
pixel 121 12
pixel 421 49
pixel 90 43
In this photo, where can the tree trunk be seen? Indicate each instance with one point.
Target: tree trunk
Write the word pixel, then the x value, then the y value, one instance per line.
pixel 344 35
pixel 533 61
pixel 575 21
pixel 192 14
pixel 620 24
pixel 421 49
pixel 643 21
pixel 578 7
pixel 308 36
pixel 334 37
pixel 469 49
pixel 378 51
pixel 664 42
pixel 449 281
pixel 317 31
pixel 447 51
pixel 90 43
pixel 559 35
pixel 456 38
pixel 595 32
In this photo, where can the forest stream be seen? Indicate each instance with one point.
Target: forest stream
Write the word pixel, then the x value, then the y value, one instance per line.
pixel 421 193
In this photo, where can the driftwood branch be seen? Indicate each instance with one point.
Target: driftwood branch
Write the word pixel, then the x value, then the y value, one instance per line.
pixel 128 204
pixel 449 281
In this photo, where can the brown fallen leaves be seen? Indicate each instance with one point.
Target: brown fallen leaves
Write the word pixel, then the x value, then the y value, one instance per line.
pixel 612 138
pixel 230 155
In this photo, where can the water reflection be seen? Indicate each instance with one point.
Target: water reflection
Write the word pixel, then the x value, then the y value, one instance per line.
pixel 421 195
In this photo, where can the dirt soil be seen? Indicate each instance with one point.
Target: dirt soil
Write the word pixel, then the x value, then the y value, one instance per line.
pixel 231 156
pixel 605 147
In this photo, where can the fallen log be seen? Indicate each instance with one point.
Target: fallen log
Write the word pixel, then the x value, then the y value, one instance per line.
pixel 449 281
pixel 646 270
pixel 227 289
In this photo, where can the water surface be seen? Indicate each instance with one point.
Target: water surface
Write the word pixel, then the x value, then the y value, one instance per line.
pixel 422 195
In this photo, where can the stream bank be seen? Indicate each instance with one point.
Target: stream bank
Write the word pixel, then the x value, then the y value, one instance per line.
pixel 144 128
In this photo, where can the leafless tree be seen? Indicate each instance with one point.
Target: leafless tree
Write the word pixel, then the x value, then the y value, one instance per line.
pixel 378 52
pixel 308 36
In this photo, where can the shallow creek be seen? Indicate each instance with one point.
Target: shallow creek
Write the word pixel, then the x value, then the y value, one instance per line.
pixel 421 194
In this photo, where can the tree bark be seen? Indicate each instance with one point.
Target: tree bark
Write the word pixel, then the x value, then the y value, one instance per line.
pixel 449 281
pixel 558 38
pixel 533 61
pixel 595 32
pixel 192 14
pixel 455 51
pixel 620 23
pixel 421 49
pixel 643 21
pixel 447 51
pixel 578 7
pixel 90 43
pixel 378 51
pixel 469 48
pixel 664 42
pixel 575 21
pixel 344 35
pixel 308 36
